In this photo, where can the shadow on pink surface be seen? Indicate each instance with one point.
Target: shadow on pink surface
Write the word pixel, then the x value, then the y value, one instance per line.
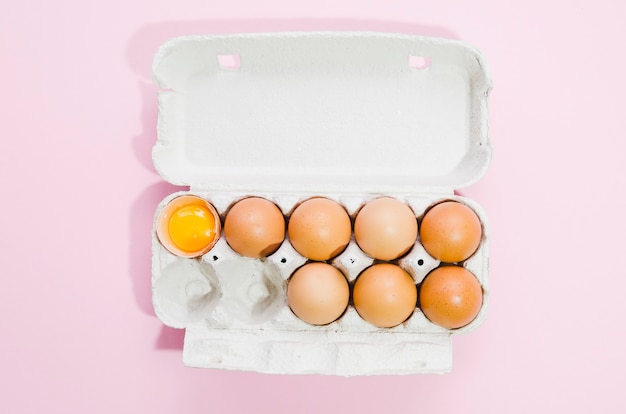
pixel 170 338
pixel 142 144
pixel 141 219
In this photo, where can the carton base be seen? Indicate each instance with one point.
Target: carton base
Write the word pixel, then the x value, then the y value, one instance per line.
pixel 333 353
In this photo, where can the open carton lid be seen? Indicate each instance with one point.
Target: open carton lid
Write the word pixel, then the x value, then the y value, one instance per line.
pixel 321 112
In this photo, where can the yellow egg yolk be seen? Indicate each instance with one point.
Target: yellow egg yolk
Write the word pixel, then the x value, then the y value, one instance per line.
pixel 192 228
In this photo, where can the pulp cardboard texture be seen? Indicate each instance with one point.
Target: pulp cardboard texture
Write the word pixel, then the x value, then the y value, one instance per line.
pixel 289 116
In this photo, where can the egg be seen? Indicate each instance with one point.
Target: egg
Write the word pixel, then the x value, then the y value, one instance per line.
pixel 188 226
pixel 384 295
pixel 318 293
pixel 451 296
pixel 385 228
pixel 319 228
pixel 450 231
pixel 254 227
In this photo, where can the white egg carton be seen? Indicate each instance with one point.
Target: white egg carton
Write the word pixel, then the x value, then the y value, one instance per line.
pixel 350 116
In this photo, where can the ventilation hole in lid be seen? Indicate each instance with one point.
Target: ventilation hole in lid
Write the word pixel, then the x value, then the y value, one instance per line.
pixel 419 62
pixel 420 262
pixel 229 61
pixel 215 258
pixel 283 260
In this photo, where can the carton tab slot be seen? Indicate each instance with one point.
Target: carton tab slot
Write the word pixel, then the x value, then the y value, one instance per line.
pixel 419 62
pixel 230 61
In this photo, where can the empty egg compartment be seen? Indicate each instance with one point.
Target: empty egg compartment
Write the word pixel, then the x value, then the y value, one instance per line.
pixel 221 293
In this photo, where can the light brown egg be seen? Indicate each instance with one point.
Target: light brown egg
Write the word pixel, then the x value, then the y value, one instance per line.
pixel 254 227
pixel 385 228
pixel 319 228
pixel 450 232
pixel 318 293
pixel 451 296
pixel 384 295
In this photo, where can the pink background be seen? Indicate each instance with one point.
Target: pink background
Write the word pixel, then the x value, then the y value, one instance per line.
pixel 78 114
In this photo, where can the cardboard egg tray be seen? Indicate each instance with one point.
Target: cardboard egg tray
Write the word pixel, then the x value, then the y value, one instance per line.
pixel 290 116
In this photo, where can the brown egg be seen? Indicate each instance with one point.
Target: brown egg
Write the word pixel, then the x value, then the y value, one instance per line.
pixel 318 293
pixel 319 228
pixel 385 228
pixel 451 296
pixel 450 232
pixel 254 227
pixel 384 295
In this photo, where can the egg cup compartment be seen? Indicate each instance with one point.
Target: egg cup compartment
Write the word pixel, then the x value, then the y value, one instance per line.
pixel 188 291
pixel 346 116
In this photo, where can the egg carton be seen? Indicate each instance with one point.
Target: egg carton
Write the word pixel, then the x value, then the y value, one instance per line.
pixel 289 116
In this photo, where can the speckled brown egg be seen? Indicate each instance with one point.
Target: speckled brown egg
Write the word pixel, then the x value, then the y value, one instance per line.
pixel 450 232
pixel 451 296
